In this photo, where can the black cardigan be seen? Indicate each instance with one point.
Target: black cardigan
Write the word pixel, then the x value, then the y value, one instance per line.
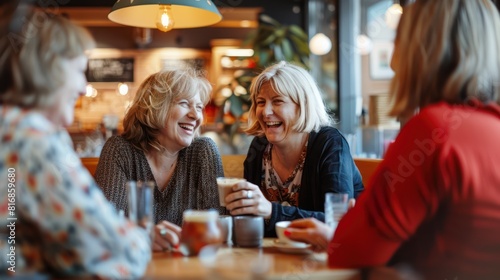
pixel 328 167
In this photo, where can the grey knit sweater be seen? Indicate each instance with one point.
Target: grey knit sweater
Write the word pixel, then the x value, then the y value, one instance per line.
pixel 193 184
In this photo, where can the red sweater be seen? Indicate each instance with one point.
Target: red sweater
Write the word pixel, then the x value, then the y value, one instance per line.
pixel 434 202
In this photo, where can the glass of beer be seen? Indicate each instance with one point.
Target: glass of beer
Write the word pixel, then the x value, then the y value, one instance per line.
pixel 199 229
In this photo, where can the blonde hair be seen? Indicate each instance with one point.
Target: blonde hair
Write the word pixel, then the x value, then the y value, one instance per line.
pixel 154 99
pixel 31 60
pixel 451 53
pixel 296 83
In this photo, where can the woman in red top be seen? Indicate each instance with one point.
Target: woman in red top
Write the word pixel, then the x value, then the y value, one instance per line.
pixel 434 202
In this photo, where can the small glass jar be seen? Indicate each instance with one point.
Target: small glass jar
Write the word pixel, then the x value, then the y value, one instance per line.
pixel 199 229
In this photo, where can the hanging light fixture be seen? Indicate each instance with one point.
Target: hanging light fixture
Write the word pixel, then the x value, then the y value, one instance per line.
pixel 320 44
pixel 165 14
pixel 393 14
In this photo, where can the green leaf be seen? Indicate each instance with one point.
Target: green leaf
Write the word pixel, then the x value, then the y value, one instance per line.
pixel 278 53
pixel 263 57
pixel 301 46
pixel 236 106
pixel 287 49
pixel 269 20
pixel 297 31
pixel 281 32
pixel 270 39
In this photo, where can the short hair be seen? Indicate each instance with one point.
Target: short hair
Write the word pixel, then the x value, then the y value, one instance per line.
pixel 294 82
pixel 155 97
pixel 446 50
pixel 31 58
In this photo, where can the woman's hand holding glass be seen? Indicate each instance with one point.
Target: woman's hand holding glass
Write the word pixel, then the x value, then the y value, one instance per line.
pixel 247 199
pixel 167 236
pixel 310 231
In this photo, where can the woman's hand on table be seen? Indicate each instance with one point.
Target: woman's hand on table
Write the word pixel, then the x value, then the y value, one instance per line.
pixel 167 236
pixel 247 198
pixel 310 231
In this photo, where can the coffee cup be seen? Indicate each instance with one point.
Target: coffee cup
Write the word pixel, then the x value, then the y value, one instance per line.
pixel 248 231
pixel 225 187
pixel 280 232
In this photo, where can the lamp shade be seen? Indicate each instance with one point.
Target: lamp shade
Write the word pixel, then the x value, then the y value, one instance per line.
pixel 186 13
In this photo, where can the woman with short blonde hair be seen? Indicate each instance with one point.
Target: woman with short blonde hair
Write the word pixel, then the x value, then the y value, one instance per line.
pixel 296 83
pixel 297 155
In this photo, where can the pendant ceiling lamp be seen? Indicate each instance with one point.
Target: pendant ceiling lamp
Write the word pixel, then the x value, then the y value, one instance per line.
pixel 393 14
pixel 165 14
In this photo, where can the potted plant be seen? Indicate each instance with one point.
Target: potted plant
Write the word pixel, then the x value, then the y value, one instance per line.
pixel 234 108
pixel 273 41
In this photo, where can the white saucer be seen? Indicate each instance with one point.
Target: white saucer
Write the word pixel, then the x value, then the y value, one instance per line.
pixel 299 248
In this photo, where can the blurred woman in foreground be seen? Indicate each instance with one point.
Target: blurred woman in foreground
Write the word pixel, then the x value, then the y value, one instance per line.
pixel 50 206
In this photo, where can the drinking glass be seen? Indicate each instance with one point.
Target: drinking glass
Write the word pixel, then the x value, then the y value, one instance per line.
pixel 140 204
pixel 200 228
pixel 336 205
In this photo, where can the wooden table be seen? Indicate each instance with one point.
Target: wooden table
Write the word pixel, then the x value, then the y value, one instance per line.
pixel 245 263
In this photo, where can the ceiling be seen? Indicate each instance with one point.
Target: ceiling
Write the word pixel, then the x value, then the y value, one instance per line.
pixel 235 13
pixel 218 3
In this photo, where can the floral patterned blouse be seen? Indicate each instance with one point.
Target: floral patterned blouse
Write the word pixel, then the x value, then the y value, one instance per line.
pixel 286 193
pixel 53 217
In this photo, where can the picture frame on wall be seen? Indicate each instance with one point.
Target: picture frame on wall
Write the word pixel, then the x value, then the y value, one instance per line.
pixel 380 60
pixel 110 70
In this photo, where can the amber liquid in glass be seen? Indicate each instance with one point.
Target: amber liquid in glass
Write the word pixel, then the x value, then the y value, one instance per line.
pixel 199 229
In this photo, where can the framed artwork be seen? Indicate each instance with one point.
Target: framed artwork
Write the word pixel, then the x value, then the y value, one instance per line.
pixel 110 70
pixel 380 60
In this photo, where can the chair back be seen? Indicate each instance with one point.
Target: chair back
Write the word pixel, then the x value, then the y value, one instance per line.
pixel 367 167
pixel 233 166
pixel 90 163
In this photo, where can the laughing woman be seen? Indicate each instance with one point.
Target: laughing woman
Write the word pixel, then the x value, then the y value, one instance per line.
pixel 297 155
pixel 159 144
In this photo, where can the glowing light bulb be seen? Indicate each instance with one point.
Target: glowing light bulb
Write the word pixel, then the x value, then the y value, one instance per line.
pixel 364 44
pixel 122 88
pixel 165 19
pixel 90 91
pixel 392 16
pixel 320 44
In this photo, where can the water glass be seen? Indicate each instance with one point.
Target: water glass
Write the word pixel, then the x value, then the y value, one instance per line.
pixel 336 205
pixel 140 204
pixel 226 223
